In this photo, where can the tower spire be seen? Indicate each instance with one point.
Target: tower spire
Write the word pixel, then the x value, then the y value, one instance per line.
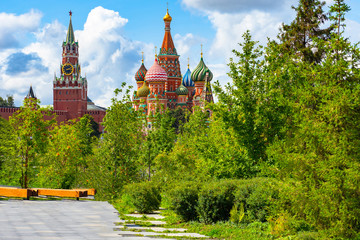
pixel 70 38
pixel 31 93
pixel 167 46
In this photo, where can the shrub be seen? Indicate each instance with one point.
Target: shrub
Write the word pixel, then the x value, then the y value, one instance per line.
pixel 144 196
pixel 256 196
pixel 216 200
pixel 237 215
pixel 184 199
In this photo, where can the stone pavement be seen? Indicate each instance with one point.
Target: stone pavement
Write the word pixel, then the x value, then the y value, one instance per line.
pixel 155 229
pixel 65 219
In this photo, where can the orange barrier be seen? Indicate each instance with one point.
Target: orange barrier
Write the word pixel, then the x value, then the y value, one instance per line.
pixel 17 192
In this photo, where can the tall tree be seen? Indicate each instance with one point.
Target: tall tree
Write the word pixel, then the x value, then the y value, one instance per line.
pixel 32 133
pixel 115 162
pixel 64 160
pixel 159 139
pixel 243 104
pixel 7 102
pixel 300 34
pixel 8 165
pixel 337 15
pixel 318 158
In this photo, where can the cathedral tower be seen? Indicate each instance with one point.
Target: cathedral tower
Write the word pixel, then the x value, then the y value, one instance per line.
pixel 70 89
pixel 169 60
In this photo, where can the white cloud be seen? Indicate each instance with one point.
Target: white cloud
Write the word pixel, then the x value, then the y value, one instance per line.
pixel 107 57
pixel 15 27
pixel 185 43
pixel 230 28
pixel 38 61
pixel 352 30
pixel 234 5
pixel 231 19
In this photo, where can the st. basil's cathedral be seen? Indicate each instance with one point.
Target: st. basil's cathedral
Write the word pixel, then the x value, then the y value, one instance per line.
pixel 162 86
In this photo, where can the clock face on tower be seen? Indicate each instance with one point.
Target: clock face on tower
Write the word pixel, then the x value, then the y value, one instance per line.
pixel 67 69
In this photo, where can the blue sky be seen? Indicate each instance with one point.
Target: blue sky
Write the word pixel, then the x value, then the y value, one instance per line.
pixel 113 33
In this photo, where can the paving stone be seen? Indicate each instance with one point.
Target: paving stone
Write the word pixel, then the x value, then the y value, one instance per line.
pixel 138 215
pixel 69 219
pixel 150 234
pixel 155 229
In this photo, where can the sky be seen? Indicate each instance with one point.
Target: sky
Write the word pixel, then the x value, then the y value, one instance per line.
pixel 113 33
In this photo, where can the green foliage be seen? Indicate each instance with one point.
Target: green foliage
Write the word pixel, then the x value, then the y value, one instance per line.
pixel 32 133
pixel 124 204
pixel 318 158
pixel 216 200
pixel 159 139
pixel 300 36
pixel 228 230
pixel 115 160
pixel 8 102
pixel 64 160
pixel 10 171
pixel 145 197
pixel 337 15
pixel 256 197
pixel 94 125
pixel 237 215
pixel 183 200
pixel 203 150
pixel 244 105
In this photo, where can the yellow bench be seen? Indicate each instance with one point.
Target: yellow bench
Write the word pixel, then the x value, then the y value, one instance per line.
pixel 90 191
pixel 17 192
pixel 62 192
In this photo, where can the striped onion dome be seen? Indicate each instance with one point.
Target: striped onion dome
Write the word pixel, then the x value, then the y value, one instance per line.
pixel 140 74
pixel 156 73
pixel 199 73
pixel 182 90
pixel 187 81
pixel 143 91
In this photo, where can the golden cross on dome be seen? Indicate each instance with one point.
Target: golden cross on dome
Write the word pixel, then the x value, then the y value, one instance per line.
pixel 201 51
pixel 188 62
pixel 155 51
pixel 142 57
pixel 167 6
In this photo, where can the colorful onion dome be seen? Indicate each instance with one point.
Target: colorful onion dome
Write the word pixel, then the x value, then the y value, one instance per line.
pixel 167 16
pixel 156 73
pixel 182 90
pixel 143 91
pixel 187 81
pixel 140 74
pixel 199 73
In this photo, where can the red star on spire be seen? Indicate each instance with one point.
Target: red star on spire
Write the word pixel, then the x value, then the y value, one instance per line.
pixel 70 13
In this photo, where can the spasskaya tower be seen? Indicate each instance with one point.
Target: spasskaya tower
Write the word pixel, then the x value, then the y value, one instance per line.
pixel 70 89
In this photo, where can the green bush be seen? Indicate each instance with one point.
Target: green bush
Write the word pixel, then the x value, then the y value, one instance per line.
pixel 216 200
pixel 256 196
pixel 183 200
pixel 144 196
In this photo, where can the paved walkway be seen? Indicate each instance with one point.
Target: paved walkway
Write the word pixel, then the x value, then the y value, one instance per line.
pixel 66 219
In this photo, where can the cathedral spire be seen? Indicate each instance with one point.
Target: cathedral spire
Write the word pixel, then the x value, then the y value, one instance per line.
pixel 167 46
pixel 70 38
pixel 30 93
